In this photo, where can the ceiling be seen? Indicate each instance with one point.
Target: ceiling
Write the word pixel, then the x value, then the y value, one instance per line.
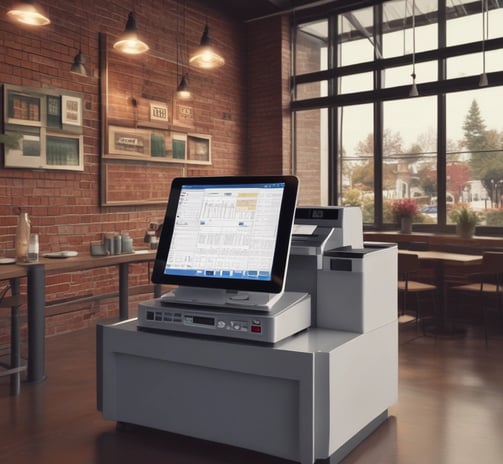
pixel 247 10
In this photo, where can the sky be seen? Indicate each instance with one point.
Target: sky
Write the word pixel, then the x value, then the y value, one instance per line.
pixel 416 116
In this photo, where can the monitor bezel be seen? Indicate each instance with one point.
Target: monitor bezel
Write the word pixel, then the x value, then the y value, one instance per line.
pixel 283 236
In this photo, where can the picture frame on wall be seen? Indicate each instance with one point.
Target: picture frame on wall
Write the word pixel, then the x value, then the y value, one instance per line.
pixel 71 111
pixel 24 108
pixel 183 114
pixel 159 112
pixel 157 145
pixel 38 149
pixel 29 150
pixel 179 147
pixel 129 142
pixel 64 151
pixel 43 128
pixel 198 149
pixel 53 111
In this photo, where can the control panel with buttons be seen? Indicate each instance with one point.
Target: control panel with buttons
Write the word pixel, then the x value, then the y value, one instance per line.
pixel 228 322
pixel 290 315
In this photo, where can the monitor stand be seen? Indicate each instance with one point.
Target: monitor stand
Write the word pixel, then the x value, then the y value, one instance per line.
pixel 200 296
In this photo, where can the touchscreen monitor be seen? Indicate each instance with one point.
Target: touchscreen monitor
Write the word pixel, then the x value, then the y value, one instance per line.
pixel 229 233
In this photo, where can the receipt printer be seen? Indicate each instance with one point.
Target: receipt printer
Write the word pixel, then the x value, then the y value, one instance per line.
pixel 352 284
pixel 357 288
pixel 316 230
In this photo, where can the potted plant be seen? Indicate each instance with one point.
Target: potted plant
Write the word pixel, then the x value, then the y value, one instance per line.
pixel 465 219
pixel 404 211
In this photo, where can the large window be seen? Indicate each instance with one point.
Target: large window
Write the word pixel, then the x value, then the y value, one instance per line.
pixel 356 158
pixel 363 138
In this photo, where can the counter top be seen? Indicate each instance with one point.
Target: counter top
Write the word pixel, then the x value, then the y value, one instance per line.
pixel 12 271
pixel 86 261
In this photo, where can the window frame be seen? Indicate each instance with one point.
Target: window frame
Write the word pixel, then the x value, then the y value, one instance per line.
pixel 378 95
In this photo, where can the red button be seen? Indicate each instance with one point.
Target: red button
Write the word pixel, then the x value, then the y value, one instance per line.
pixel 256 328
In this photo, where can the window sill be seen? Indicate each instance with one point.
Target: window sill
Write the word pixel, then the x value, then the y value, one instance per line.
pixel 476 244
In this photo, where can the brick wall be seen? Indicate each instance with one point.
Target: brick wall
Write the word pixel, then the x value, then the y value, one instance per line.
pixel 308 163
pixel 268 75
pixel 242 106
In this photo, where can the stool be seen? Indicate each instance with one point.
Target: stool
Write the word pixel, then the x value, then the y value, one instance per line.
pixel 14 367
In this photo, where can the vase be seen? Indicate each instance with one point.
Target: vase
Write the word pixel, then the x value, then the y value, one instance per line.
pixel 406 225
pixel 465 230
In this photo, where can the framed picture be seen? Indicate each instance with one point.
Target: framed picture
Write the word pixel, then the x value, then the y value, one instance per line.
pixel 183 114
pixel 39 150
pixel 28 152
pixel 53 112
pixel 64 152
pixel 129 142
pixel 198 149
pixel 71 112
pixel 158 112
pixel 43 128
pixel 158 147
pixel 178 147
pixel 22 107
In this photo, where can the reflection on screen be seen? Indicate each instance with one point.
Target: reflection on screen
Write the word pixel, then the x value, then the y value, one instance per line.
pixel 225 231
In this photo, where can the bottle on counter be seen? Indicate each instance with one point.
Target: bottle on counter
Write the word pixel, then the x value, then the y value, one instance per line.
pixel 117 244
pixel 22 237
pixel 127 243
pixel 33 248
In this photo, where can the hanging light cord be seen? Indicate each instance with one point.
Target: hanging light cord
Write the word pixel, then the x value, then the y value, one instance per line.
pixel 183 49
pixel 177 41
pixel 404 28
pixel 413 39
pixel 485 31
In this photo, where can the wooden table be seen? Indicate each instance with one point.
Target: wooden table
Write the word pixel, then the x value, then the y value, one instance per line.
pixel 11 271
pixel 86 262
pixel 440 259
pixel 35 274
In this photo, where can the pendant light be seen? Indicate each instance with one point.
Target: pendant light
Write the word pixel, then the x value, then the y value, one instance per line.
pixel 129 42
pixel 182 90
pixel 413 92
pixel 79 62
pixel 205 56
pixel 29 13
pixel 78 65
pixel 485 35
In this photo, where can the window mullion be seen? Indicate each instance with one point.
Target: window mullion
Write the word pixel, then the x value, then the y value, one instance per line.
pixel 441 121
pixel 378 119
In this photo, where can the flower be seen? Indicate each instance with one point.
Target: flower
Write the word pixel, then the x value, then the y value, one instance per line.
pixel 406 207
pixel 463 215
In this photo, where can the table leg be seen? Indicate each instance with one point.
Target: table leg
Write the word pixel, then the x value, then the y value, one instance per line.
pixel 15 354
pixel 123 291
pixel 36 323
pixel 442 300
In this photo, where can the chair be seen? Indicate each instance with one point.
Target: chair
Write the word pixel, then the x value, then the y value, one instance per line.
pixel 13 368
pixel 488 286
pixel 408 265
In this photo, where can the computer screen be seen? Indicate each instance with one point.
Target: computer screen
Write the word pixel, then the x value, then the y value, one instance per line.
pixel 228 233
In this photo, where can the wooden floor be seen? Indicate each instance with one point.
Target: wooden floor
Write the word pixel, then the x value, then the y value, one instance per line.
pixel 450 411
